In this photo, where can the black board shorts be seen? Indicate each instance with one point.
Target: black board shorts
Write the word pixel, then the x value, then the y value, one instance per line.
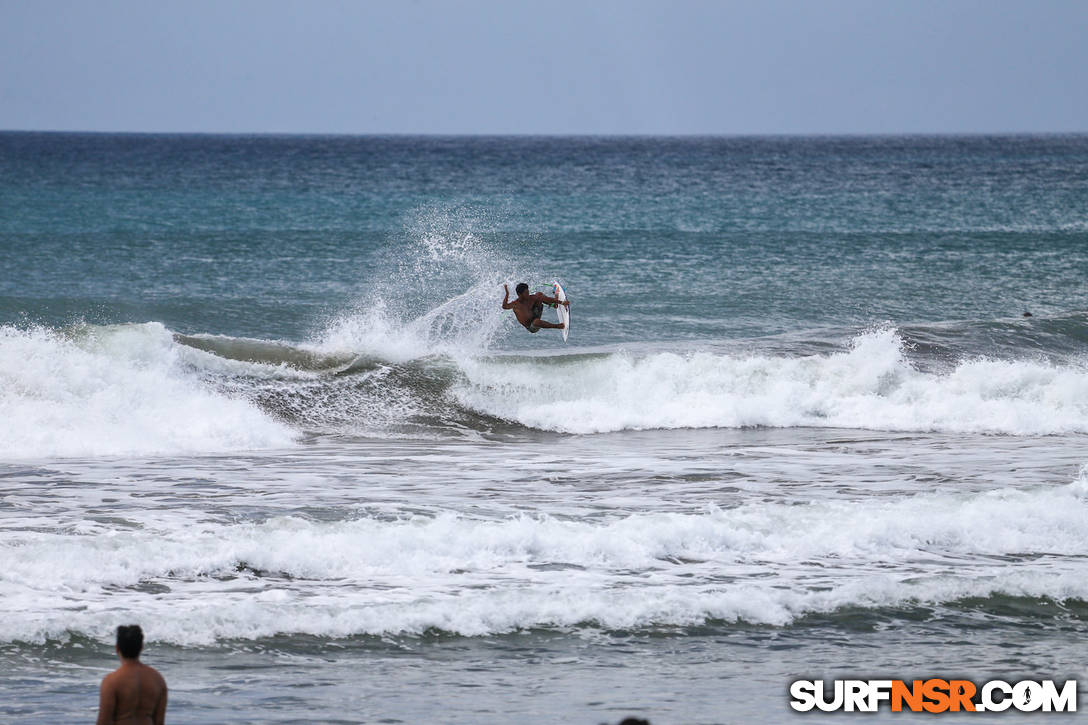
pixel 538 312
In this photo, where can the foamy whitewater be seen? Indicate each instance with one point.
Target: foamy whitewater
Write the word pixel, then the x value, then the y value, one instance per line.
pixel 139 389
pixel 802 426
pixel 122 390
pixel 474 576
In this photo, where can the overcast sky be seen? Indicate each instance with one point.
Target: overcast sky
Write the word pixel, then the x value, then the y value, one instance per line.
pixel 554 66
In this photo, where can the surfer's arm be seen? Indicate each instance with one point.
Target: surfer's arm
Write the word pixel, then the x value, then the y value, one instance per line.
pixel 506 303
pixel 551 300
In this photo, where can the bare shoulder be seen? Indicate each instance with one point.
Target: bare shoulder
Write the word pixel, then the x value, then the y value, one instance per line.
pixel 110 681
pixel 156 675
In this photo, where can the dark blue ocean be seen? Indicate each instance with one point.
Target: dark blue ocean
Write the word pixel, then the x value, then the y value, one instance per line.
pixel 823 413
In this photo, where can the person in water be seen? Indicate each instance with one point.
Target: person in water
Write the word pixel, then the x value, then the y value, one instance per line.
pixel 134 693
pixel 528 308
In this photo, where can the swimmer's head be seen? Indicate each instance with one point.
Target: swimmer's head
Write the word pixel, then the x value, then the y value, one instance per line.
pixel 130 640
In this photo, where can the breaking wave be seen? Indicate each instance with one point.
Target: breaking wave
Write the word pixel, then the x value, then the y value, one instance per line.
pixel 119 390
pixel 141 389
pixel 871 385
pixel 763 563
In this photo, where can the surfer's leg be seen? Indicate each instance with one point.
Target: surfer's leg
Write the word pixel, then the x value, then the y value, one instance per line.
pixel 548 325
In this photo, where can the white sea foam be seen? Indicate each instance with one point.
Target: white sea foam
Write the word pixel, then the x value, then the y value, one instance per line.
pixel 871 386
pixel 760 562
pixel 132 389
pixel 118 390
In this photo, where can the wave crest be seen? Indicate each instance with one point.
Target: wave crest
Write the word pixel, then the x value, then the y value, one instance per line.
pixel 871 386
pixel 140 389
pixel 113 391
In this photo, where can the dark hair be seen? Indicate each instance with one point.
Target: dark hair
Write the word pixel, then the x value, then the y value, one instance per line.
pixel 130 640
pixel 522 287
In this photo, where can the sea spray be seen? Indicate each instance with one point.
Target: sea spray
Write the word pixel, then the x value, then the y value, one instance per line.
pixel 439 292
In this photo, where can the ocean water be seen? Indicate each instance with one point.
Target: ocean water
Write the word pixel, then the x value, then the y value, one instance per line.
pixel 258 395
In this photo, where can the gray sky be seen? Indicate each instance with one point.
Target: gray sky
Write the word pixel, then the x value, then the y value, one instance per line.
pixel 555 66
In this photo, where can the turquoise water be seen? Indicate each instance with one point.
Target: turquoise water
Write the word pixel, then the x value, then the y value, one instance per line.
pixel 258 394
pixel 268 236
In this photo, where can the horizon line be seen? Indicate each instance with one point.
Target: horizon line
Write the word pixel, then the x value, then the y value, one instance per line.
pixel 692 135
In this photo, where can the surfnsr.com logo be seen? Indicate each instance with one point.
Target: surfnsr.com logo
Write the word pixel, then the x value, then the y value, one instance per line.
pixel 933 695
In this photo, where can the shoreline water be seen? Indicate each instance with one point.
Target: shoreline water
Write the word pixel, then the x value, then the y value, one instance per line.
pixel 699 672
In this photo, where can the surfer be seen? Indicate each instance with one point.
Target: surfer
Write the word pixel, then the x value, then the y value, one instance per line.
pixel 133 693
pixel 528 308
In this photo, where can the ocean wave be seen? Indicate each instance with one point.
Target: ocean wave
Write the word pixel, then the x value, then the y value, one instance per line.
pixel 884 379
pixel 761 563
pixel 275 353
pixel 118 390
pixel 142 389
pixel 872 385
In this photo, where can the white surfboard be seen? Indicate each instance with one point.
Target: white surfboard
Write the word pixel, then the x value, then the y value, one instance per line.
pixel 564 311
